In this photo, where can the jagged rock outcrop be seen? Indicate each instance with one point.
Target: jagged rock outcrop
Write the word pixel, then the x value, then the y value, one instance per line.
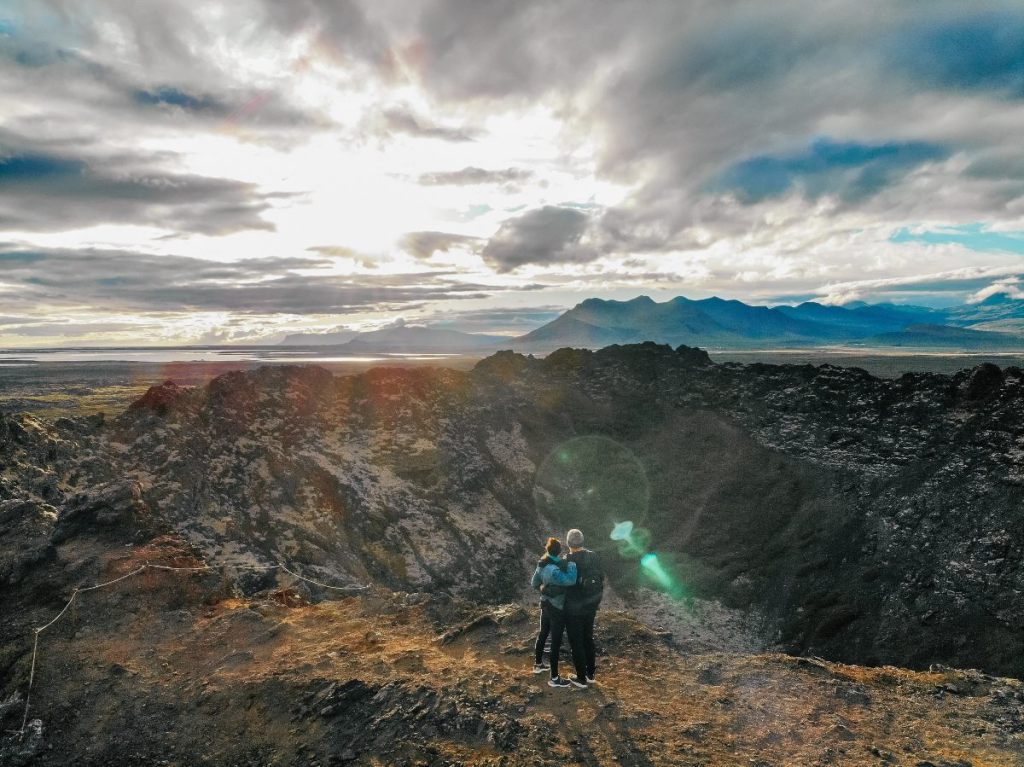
pixel 26 527
pixel 117 506
pixel 162 398
pixel 863 519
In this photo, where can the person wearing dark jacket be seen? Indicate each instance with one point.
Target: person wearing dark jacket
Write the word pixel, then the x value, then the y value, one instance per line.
pixel 581 603
pixel 552 576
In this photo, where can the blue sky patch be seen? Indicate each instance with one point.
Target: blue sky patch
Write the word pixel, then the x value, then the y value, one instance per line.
pixel 166 96
pixel 473 211
pixel 972 236
pixel 30 167
pixel 848 169
pixel 21 257
pixel 973 52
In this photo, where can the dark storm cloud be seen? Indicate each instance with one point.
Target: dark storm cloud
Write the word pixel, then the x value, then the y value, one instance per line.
pixel 547 235
pixel 472 176
pixel 47 191
pixel 121 281
pixel 425 244
pixel 850 170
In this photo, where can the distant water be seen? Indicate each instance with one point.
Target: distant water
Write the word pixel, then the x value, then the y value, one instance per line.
pixel 21 357
pixel 882 362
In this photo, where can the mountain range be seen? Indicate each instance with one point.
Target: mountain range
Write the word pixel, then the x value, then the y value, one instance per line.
pixel 716 322
pixel 996 323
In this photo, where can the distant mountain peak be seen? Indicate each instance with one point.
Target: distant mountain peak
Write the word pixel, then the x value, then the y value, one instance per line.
pixel 731 323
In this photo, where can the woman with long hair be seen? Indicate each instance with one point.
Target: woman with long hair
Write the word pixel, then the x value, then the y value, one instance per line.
pixel 552 577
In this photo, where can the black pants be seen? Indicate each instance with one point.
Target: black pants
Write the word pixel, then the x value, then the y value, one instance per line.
pixel 552 621
pixel 580 629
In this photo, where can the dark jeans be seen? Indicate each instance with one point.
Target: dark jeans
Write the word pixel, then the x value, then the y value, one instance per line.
pixel 552 621
pixel 580 629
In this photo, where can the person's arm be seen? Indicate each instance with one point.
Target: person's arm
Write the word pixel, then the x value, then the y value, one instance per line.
pixel 559 578
pixel 536 580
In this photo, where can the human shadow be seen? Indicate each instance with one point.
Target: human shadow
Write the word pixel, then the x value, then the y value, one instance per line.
pixel 608 723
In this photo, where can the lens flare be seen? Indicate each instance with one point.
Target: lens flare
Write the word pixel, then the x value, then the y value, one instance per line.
pixel 653 568
pixel 622 531
pixel 633 541
pixel 592 482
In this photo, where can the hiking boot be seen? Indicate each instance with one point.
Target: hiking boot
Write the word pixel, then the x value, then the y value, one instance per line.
pixel 577 682
pixel 557 681
pixel 540 668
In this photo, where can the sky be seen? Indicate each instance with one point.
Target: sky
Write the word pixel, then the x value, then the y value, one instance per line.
pixel 183 172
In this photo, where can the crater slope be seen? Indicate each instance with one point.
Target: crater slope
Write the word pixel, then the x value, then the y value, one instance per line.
pixel 861 519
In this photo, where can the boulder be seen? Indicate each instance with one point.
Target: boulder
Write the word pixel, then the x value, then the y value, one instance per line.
pixel 983 381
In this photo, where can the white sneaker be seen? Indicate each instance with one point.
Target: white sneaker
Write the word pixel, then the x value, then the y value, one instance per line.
pixel 558 681
pixel 540 668
pixel 590 680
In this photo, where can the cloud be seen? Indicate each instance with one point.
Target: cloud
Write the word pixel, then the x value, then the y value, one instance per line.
pixel 340 28
pixel 70 329
pixel 404 120
pixel 685 90
pixel 953 283
pixel 849 170
pixel 1008 287
pixel 423 245
pixel 45 191
pixel 513 321
pixel 121 281
pixel 546 235
pixel 472 176
pixel 109 69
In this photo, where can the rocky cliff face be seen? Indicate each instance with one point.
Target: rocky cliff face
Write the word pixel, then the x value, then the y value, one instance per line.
pixel 865 520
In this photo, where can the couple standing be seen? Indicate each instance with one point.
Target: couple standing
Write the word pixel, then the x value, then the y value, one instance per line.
pixel 571 587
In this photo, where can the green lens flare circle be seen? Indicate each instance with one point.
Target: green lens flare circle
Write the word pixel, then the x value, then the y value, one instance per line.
pixel 593 483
